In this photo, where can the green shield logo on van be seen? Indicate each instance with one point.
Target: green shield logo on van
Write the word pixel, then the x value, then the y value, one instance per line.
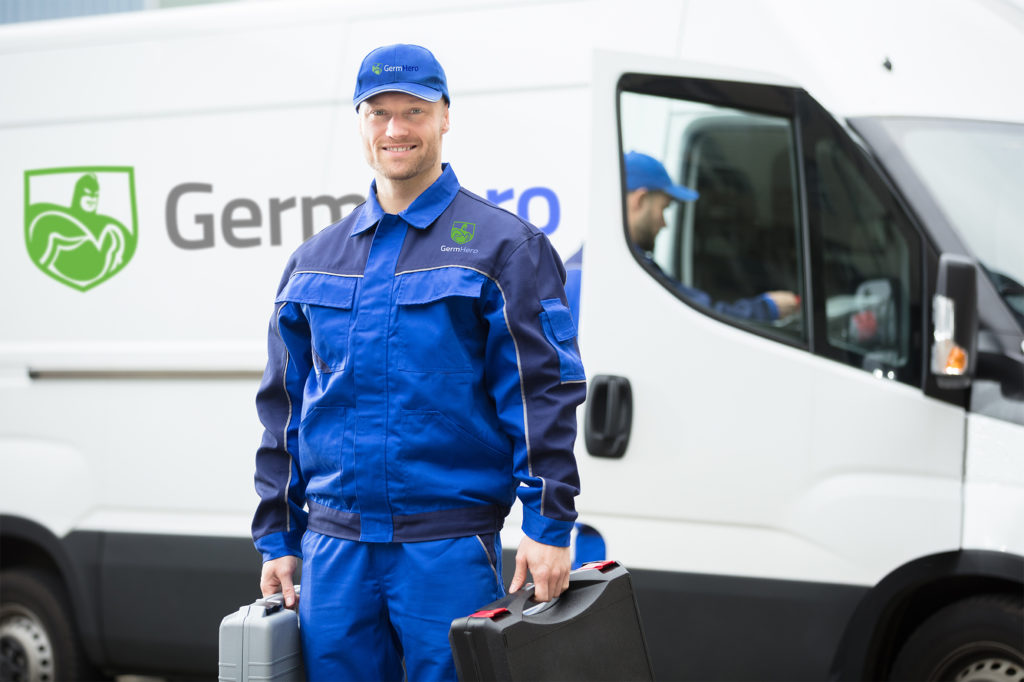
pixel 80 223
pixel 462 231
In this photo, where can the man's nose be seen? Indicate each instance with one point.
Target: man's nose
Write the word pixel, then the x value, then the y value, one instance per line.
pixel 396 128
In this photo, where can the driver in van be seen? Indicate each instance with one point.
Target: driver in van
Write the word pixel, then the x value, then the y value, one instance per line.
pixel 649 191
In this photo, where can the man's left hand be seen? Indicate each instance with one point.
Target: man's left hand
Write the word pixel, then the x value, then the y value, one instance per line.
pixel 549 565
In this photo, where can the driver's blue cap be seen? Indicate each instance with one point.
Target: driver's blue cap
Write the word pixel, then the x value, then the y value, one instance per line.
pixel 401 68
pixel 646 172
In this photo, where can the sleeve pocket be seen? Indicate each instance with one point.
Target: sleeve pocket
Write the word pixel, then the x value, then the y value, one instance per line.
pixel 561 334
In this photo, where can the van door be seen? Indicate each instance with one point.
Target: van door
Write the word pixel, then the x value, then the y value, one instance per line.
pixel 802 447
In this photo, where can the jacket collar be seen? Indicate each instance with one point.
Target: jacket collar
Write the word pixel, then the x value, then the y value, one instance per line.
pixel 422 212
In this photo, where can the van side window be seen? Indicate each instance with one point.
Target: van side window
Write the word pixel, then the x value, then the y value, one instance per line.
pixel 870 266
pixel 731 245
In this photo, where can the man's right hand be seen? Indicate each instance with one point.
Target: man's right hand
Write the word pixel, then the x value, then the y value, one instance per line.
pixel 277 577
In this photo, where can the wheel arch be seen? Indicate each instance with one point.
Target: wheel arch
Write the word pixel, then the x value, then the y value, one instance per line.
pixel 900 602
pixel 25 543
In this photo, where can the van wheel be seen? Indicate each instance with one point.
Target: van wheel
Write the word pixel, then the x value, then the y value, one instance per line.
pixel 37 637
pixel 980 639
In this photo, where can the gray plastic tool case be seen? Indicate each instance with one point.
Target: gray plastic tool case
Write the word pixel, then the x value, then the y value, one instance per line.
pixel 261 642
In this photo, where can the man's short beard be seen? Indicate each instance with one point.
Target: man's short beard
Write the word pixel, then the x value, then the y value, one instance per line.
pixel 408 175
pixel 645 242
pixel 396 175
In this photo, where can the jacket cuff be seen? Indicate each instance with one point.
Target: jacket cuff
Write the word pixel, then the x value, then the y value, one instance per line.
pixel 277 545
pixel 546 531
pixel 773 310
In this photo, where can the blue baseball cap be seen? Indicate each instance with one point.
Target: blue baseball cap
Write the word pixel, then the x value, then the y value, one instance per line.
pixel 401 68
pixel 646 172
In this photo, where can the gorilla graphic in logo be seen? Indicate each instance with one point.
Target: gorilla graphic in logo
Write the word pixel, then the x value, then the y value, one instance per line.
pixel 76 244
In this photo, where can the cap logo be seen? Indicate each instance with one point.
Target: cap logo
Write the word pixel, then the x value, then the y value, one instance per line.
pixel 377 70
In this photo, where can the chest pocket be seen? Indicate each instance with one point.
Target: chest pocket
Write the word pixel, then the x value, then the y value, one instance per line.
pixel 439 327
pixel 326 302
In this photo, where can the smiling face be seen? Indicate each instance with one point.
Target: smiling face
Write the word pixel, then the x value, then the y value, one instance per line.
pixel 87 194
pixel 89 202
pixel 402 138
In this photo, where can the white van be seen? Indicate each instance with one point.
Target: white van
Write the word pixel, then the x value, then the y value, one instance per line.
pixel 838 494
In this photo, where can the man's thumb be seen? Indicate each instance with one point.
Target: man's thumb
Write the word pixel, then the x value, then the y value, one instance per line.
pixel 288 590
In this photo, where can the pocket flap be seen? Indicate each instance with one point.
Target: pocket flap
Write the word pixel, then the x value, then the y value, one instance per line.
pixel 559 318
pixel 318 288
pixel 432 285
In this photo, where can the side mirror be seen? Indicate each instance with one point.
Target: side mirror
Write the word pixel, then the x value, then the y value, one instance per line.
pixel 955 318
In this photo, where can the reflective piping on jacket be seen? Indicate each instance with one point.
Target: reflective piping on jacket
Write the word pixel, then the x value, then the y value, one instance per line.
pixel 287 423
pixel 519 364
pixel 319 272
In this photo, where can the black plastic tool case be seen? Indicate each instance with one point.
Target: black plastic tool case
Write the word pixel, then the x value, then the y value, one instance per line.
pixel 592 632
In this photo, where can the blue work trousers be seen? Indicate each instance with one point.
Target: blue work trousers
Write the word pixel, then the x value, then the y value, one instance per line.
pixel 368 608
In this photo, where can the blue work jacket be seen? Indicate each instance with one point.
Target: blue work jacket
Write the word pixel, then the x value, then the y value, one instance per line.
pixel 422 371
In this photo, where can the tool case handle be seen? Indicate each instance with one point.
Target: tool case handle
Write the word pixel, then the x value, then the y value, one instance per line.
pixel 575 599
pixel 273 603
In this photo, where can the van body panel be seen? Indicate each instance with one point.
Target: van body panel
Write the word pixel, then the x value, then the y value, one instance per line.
pixel 993 480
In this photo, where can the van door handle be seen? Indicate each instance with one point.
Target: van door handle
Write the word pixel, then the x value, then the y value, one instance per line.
pixel 609 416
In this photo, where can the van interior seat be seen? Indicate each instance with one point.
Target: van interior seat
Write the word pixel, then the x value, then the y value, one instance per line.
pixel 723 221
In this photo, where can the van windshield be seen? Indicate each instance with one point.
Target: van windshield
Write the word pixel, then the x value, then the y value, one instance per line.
pixel 974 171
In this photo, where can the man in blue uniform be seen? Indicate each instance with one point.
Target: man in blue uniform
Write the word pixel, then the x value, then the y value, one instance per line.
pixel 422 372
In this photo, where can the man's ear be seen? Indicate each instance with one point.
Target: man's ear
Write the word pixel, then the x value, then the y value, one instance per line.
pixel 446 121
pixel 359 116
pixel 635 198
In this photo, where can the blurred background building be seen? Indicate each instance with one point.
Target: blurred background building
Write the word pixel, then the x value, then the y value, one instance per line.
pixel 39 10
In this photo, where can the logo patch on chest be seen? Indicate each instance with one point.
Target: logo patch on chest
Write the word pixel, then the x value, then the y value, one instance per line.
pixel 463 232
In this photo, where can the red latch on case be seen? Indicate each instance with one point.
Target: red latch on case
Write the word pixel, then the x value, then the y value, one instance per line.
pixel 599 565
pixel 489 613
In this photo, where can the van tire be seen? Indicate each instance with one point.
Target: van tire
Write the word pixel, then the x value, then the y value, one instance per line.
pixel 980 638
pixel 38 642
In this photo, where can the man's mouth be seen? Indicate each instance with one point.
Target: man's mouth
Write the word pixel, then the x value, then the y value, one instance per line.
pixel 405 148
